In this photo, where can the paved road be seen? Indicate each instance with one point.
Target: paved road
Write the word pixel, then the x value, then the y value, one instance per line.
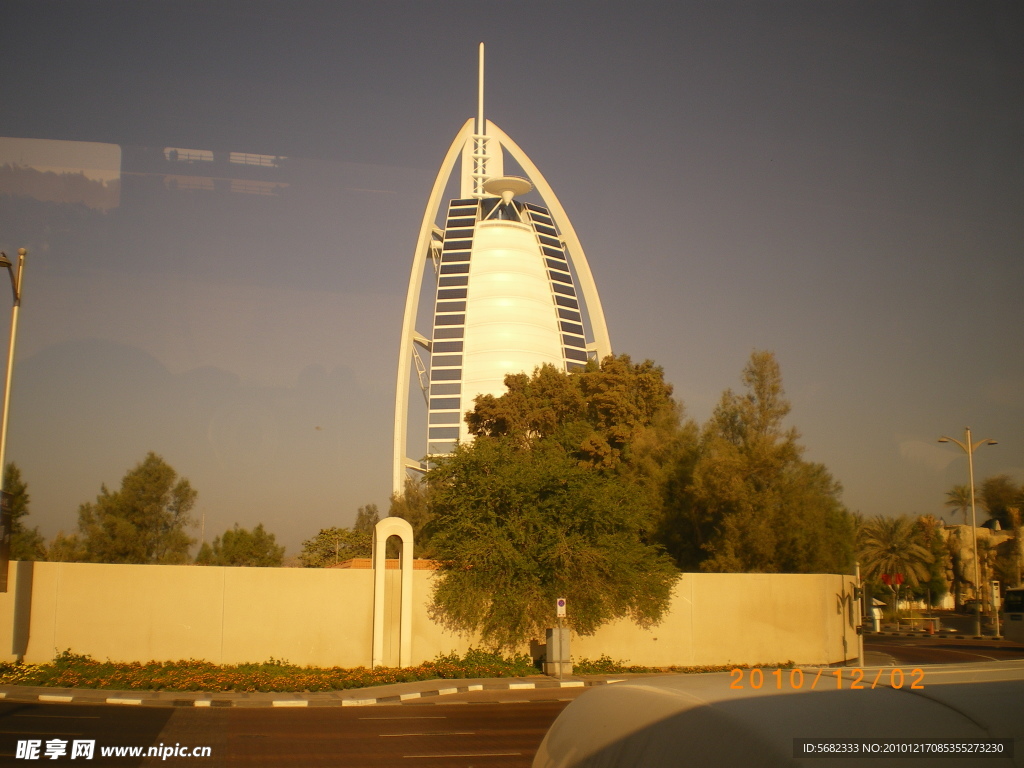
pixel 105 725
pixel 472 729
pixel 472 732
pixel 931 650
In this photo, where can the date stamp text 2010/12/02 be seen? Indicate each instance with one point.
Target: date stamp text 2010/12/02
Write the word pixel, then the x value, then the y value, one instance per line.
pixel 839 678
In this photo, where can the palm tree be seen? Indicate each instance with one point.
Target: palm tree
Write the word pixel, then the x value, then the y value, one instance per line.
pixel 893 545
pixel 960 499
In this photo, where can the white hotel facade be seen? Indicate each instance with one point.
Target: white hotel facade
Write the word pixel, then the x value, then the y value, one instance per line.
pixel 512 291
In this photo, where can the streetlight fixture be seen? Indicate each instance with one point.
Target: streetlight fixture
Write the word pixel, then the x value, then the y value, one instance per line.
pixel 969 448
pixel 5 515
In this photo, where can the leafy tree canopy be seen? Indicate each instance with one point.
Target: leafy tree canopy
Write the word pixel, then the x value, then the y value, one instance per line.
pixel 144 522
pixel 557 497
pixel 65 548
pixel 241 547
pixel 597 414
pixel 26 543
pixel 334 545
pixel 999 494
pixel 366 518
pixel 618 417
pixel 516 526
pixel 747 501
pixel 411 505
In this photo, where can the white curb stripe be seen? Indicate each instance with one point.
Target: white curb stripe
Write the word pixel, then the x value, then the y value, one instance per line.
pixel 572 684
pixel 113 700
pixel 202 703
pixel 475 688
pixel 290 703
pixel 358 702
pixel 520 686
pixel 53 697
pixel 447 691
pixel 407 696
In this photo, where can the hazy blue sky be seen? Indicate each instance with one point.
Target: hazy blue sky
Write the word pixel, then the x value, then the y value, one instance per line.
pixel 842 183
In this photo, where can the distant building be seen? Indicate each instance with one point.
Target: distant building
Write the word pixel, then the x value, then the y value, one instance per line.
pixel 512 290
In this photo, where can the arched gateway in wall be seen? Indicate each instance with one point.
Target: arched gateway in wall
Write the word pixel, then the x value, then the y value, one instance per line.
pixel 384 530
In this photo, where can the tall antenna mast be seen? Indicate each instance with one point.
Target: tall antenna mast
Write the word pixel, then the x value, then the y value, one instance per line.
pixel 480 137
pixel 480 128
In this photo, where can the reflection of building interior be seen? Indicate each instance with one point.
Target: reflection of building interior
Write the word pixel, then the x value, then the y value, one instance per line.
pixel 207 170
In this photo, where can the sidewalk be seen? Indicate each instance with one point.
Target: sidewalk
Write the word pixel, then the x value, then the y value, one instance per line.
pixel 395 693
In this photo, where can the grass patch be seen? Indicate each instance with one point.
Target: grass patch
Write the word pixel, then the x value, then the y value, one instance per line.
pixel 70 670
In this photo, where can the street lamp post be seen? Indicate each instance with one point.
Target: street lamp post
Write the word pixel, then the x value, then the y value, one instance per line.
pixel 5 498
pixel 15 274
pixel 969 448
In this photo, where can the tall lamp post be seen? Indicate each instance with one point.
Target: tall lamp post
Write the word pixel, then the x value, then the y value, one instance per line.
pixel 5 509
pixel 15 274
pixel 969 448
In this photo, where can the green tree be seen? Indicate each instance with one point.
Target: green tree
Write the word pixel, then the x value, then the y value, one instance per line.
pixel 516 526
pixel 751 503
pixel 332 546
pixel 411 505
pixel 598 414
pixel 366 518
pixel 618 417
pixel 26 543
pixel 143 522
pixel 998 495
pixel 64 548
pixel 959 498
pixel 1013 560
pixel 930 535
pixel 891 545
pixel 241 547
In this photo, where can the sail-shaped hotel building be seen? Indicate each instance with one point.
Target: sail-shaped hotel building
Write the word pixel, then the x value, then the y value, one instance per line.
pixel 512 290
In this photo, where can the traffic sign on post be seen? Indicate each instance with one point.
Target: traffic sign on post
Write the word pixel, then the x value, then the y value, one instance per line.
pixel 560 608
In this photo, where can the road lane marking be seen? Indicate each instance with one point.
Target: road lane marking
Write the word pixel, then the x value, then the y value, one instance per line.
pixel 36 733
pixel 66 717
pixel 429 733
pixel 471 754
pixel 940 649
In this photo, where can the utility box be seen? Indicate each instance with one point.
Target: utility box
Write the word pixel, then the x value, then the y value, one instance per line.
pixel 557 659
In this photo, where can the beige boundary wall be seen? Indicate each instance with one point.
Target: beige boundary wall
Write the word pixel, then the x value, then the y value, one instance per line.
pixel 323 617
